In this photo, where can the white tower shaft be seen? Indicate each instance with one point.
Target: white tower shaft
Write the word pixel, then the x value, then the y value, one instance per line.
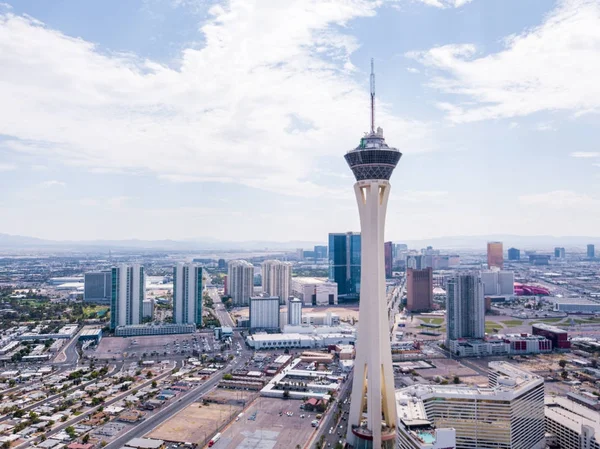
pixel 373 384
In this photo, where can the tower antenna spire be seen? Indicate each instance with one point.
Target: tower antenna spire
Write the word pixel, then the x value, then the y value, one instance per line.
pixel 372 97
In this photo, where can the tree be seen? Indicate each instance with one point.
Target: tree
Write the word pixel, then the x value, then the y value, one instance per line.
pixel 227 376
pixel 564 374
pixel 562 363
pixel 71 431
pixel 456 380
pixel 286 394
pixel 86 438
pixel 154 384
pixel 149 375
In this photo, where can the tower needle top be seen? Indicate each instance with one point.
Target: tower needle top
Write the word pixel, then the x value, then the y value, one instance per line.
pixel 372 97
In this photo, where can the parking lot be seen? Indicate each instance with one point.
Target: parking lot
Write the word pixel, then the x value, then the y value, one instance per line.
pixel 267 425
pixel 155 346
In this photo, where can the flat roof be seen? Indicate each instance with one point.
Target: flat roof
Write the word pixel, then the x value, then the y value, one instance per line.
pixel 572 415
pixel 311 280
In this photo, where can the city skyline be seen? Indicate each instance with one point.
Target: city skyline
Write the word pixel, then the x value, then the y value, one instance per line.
pixel 124 151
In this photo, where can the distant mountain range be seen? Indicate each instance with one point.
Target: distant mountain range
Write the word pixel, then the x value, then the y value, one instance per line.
pixel 541 242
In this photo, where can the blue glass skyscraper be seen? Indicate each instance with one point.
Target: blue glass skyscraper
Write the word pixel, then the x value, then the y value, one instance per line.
pixel 344 263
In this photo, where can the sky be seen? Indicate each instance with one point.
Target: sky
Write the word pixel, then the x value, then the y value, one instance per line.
pixel 194 119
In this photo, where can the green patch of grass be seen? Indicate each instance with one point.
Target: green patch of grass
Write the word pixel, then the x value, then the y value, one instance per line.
pixel 434 320
pixel 548 320
pixel 512 323
pixel 585 321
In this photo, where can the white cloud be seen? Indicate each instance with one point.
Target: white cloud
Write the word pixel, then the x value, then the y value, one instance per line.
pixel 585 154
pixel 560 199
pixel 413 70
pixel 446 3
pixel 223 115
pixel 553 66
pixel 544 126
pixel 7 166
pixel 513 125
pixel 53 183
pixel 417 196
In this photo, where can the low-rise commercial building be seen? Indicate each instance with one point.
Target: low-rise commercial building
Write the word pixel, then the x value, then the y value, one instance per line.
pixel 315 291
pixel 294 340
pixel 576 305
pixel 137 330
pixel 558 336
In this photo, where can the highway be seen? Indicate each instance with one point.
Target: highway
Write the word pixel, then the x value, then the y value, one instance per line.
pixel 220 310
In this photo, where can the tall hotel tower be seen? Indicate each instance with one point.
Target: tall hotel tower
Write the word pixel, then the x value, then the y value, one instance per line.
pixel 187 294
pixel 372 422
pixel 128 294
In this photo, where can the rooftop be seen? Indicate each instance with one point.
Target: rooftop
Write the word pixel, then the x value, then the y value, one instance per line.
pixel 572 415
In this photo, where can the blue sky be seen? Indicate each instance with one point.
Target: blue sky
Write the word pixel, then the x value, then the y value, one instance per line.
pixel 188 119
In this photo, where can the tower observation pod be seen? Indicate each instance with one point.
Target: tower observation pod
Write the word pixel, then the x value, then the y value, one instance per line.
pixel 372 421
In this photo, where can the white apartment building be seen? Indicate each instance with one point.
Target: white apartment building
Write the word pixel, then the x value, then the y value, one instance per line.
pixel 498 282
pixel 571 424
pixel 264 312
pixel 294 314
pixel 506 415
pixel 277 279
pixel 240 281
pixel 187 294
pixel 148 308
pixel 127 296
pixel 315 291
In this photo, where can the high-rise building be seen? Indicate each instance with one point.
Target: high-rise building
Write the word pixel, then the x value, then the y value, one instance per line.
pixel 591 251
pixel 372 163
pixel 187 294
pixel 148 309
pixel 264 313
pixel 514 254
pixel 508 414
pixel 495 255
pixel 419 290
pixel 465 307
pixel 344 263
pixel 498 282
pixel 127 295
pixel 97 287
pixel 388 258
pixel 559 253
pixel 277 279
pixel 294 315
pixel 506 282
pixel 240 281
pixel 415 261
pixel 222 264
pixel 320 251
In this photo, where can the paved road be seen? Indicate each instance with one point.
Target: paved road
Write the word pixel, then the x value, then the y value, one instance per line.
pixel 69 355
pixel 220 310
pixel 327 422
